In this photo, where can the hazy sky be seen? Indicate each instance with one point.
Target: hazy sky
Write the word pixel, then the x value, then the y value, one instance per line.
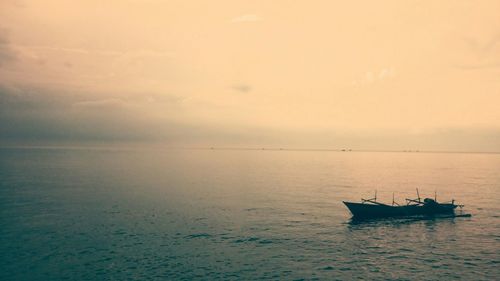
pixel 317 74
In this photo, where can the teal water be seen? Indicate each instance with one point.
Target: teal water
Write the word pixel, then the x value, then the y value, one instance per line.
pixel 124 214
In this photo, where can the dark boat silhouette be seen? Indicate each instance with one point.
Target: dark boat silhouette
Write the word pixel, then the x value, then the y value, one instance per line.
pixel 370 208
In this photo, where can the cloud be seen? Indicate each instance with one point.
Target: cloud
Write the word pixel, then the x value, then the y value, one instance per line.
pixel 386 73
pixel 101 104
pixel 31 114
pixel 486 65
pixel 484 47
pixel 242 88
pixel 7 53
pixel 371 77
pixel 15 3
pixel 247 18
pixel 36 51
pixel 485 53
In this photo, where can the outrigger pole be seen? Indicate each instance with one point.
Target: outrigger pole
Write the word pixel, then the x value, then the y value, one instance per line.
pixel 373 200
pixel 418 201
pixel 394 202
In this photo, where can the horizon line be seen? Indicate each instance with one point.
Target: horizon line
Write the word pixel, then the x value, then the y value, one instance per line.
pixel 135 146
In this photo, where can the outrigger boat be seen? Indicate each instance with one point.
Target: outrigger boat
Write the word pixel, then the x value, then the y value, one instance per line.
pixel 370 208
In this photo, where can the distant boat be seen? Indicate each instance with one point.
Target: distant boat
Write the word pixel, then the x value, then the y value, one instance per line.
pixel 370 208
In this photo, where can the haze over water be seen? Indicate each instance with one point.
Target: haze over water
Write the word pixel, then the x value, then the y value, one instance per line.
pixel 148 214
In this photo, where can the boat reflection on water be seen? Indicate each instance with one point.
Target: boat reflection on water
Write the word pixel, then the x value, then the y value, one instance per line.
pixel 356 221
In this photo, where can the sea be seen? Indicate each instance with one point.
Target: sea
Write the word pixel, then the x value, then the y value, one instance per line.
pixel 97 213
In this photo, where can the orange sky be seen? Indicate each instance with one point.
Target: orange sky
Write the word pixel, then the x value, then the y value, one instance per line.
pixel 370 74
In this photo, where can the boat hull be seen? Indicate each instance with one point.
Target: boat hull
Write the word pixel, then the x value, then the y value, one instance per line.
pixel 363 210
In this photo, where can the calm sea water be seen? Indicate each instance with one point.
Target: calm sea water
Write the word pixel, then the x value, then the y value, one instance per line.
pixel 102 214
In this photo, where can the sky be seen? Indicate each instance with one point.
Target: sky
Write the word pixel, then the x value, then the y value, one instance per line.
pixel 388 75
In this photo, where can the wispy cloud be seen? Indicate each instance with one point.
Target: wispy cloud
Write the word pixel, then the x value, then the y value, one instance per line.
pixel 247 18
pixel 485 53
pixel 242 88
pixel 478 66
pixel 82 51
pixel 483 47
pixel 7 53
pixel 371 77
pixel 39 114
pixel 100 104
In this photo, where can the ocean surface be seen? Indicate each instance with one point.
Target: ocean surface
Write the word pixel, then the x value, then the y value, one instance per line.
pixel 167 214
